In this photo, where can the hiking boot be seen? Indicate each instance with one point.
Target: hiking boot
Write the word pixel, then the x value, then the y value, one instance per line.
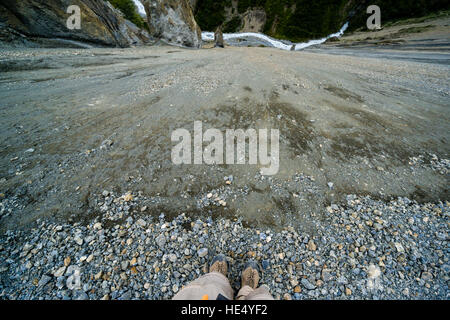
pixel 219 264
pixel 250 275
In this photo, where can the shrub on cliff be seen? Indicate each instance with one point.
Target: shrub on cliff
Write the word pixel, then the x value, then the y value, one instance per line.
pixel 129 10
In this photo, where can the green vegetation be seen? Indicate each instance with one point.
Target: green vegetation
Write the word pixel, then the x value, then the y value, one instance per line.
pixel 129 10
pixel 233 25
pixel 210 14
pixel 298 20
pixel 243 5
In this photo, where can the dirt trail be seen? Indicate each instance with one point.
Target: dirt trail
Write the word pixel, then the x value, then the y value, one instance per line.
pixel 102 119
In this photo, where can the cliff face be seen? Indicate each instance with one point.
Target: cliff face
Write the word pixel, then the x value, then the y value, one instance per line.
pixel 173 21
pixel 43 22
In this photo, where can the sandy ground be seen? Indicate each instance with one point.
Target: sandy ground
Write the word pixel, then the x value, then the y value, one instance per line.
pixel 351 123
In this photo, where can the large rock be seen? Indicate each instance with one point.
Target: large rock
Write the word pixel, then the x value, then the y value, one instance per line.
pixel 218 38
pixel 173 22
pixel 43 22
pixel 254 20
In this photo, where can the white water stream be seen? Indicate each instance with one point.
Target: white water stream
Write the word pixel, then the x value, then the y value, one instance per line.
pixel 209 36
pixel 140 7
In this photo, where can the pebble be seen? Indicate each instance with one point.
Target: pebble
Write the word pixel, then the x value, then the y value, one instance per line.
pixel 308 285
pixel 98 275
pixel 98 226
pixel 141 223
pixel 399 247
pixel 287 296
pixel 312 246
pixel 59 272
pixel 373 271
pixel 326 275
pixel 161 241
pixel 78 241
pixel 44 280
pixel 202 252
pixel 67 261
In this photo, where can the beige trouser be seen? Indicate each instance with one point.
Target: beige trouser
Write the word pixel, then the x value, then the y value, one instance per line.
pixel 209 286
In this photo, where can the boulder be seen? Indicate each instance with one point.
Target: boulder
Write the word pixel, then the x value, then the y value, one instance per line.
pixel 173 21
pixel 218 38
pixel 44 23
pixel 254 20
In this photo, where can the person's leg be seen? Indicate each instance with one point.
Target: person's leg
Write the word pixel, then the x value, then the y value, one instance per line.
pixel 249 288
pixel 248 293
pixel 209 286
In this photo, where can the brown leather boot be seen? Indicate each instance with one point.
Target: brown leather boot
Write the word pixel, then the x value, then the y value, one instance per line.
pixel 250 275
pixel 219 264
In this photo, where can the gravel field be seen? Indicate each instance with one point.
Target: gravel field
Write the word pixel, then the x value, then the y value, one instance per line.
pixel 358 210
pixel 366 250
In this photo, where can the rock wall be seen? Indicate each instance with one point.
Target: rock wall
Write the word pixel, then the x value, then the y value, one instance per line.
pixel 43 23
pixel 253 20
pixel 173 22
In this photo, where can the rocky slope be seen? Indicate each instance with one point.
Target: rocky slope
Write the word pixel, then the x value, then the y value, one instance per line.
pixel 173 21
pixel 43 23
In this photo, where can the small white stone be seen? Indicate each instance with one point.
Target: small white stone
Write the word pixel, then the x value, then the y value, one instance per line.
pixel 78 240
pixel 141 223
pixel 399 247
pixel 60 272
pixel 98 226
pixel 202 252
